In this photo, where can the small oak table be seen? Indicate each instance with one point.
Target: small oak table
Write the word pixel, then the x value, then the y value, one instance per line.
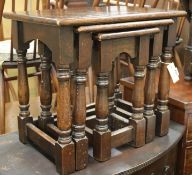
pixel 65 38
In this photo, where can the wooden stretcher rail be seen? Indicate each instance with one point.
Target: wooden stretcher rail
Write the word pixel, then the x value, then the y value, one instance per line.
pixel 122 136
pixel 41 139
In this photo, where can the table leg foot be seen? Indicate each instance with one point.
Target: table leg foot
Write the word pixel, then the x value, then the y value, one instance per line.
pixel 150 127
pixel 65 158
pixel 102 145
pixel 162 122
pixel 81 153
pixel 22 121
pixel 139 126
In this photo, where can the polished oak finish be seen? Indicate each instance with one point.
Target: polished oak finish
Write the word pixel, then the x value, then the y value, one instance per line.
pixel 93 15
pixel 149 90
pixel 23 94
pixel 125 160
pixel 163 114
pixel 70 28
pixel 45 88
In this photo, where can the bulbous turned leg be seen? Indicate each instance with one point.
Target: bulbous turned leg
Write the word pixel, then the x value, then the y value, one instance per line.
pixel 23 94
pixel 111 90
pixel 150 98
pixel 163 113
pixel 101 133
pixel 137 120
pixel 64 148
pixel 79 117
pixel 45 91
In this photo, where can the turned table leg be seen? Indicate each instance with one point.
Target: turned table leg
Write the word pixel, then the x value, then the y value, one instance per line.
pixel 150 87
pixel 118 93
pixel 163 113
pixel 79 117
pixel 45 90
pixel 65 149
pixel 23 94
pixel 111 89
pixel 137 120
pixel 101 133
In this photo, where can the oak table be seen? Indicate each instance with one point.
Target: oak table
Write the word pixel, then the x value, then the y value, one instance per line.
pixel 65 38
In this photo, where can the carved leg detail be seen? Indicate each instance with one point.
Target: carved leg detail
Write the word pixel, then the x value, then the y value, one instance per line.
pixel 137 119
pixel 101 133
pixel 163 114
pixel 150 98
pixel 79 117
pixel 111 90
pixel 64 148
pixel 23 94
pixel 45 91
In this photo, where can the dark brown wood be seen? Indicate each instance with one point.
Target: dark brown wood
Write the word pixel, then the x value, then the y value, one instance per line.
pixel 81 64
pixel 117 35
pixel 117 75
pixel 11 62
pixel 101 133
pixel 106 15
pixel 45 88
pixel 137 119
pixel 33 25
pixel 163 114
pixel 111 88
pixel 28 160
pixel 150 86
pixel 64 148
pixel 121 136
pixel 103 42
pixel 2 102
pixel 79 117
pixel 130 25
pixel 42 140
pixel 23 94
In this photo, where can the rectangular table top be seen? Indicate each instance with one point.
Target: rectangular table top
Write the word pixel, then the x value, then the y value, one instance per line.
pixel 92 15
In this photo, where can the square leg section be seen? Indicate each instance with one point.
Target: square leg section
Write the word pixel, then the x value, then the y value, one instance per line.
pixel 162 122
pixel 139 132
pixel 43 121
pixel 22 121
pixel 102 145
pixel 81 153
pixel 150 128
pixel 65 158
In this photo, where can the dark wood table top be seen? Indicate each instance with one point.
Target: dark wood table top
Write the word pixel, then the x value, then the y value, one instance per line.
pixel 18 159
pixel 92 15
